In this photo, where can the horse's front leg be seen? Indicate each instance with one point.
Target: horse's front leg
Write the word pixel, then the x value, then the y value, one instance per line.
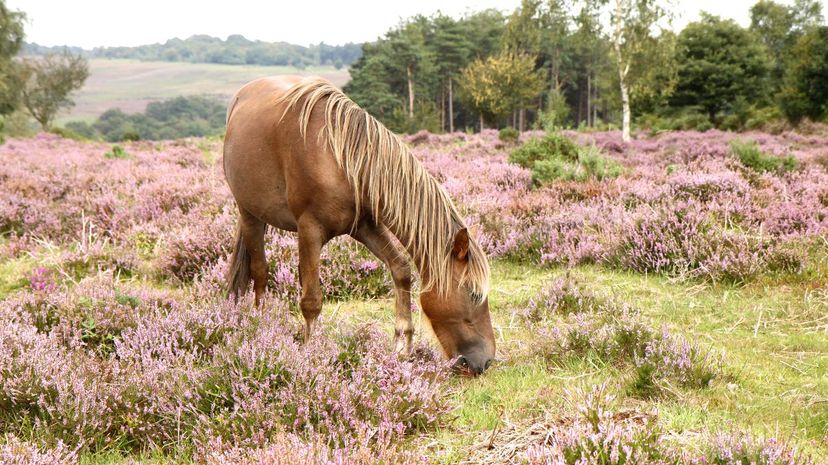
pixel 312 238
pixel 382 243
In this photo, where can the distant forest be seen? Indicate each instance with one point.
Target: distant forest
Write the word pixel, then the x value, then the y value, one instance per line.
pixel 236 50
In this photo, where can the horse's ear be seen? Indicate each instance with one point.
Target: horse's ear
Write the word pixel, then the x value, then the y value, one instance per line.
pixel 460 249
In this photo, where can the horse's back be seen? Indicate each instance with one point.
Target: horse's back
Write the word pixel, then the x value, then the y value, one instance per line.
pixel 274 173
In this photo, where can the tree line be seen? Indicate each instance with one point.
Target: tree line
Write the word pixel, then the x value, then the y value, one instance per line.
pixel 191 116
pixel 236 50
pixel 596 63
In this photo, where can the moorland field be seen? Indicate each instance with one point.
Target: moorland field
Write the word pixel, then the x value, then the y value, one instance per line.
pixel 131 84
pixel 675 312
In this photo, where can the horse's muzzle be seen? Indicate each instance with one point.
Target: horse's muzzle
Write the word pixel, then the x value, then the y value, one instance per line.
pixel 472 365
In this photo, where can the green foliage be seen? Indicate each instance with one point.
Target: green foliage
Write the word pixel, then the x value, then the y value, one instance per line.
pixel 48 82
pixel 11 39
pixel 768 119
pixel 751 156
pixel 719 63
pixel 686 119
pixel 422 56
pixel 68 133
pixel 501 84
pixel 425 117
pixel 556 157
pixel 557 112
pixel 117 152
pixel 805 89
pixel 779 27
pixel 194 116
pixel 508 135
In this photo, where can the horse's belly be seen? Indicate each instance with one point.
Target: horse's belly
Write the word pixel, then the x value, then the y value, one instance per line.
pixel 280 217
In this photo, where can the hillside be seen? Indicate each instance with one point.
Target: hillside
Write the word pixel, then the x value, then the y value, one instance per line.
pixel 236 50
pixel 131 84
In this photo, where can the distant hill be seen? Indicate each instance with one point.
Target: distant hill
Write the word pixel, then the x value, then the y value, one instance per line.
pixel 236 50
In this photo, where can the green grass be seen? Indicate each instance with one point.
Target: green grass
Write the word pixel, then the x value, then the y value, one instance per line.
pixel 14 274
pixel 773 336
pixel 131 84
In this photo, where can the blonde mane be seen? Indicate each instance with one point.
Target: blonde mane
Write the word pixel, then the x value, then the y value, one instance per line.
pixel 393 184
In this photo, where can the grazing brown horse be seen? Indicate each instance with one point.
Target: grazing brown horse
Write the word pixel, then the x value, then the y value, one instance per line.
pixel 301 156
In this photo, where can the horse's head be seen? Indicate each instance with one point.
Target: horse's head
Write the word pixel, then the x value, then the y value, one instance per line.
pixel 460 319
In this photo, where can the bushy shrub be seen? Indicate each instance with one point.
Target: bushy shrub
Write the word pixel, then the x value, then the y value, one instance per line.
pixel 83 129
pixel 562 296
pixel 164 370
pixel 67 133
pixel 508 135
pixel 685 241
pixel 556 157
pixel 751 156
pixel 685 120
pixel 572 321
pixel 116 152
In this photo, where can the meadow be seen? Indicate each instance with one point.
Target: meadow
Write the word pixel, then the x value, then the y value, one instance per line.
pixel 675 313
pixel 131 84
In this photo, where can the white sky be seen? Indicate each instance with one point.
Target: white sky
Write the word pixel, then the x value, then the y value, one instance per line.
pixel 91 23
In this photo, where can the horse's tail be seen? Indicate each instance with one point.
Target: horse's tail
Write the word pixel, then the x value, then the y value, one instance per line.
pixel 238 278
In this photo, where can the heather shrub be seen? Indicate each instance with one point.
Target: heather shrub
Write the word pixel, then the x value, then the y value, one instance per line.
pixel 194 247
pixel 13 451
pixel 106 365
pixel 669 359
pixel 562 296
pixel 587 325
pixel 508 135
pixel 751 156
pixel 291 449
pixel 602 434
pixel 685 241
pixel 737 448
pixel 348 270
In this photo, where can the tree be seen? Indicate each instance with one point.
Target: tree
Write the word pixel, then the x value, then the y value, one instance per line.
pixel 484 30
pixel 805 89
pixel 719 65
pixel 779 27
pixel 11 39
pixel 451 54
pixel 540 29
pixel 653 83
pixel 499 84
pixel 632 22
pixel 587 64
pixel 369 85
pixel 409 54
pixel 48 82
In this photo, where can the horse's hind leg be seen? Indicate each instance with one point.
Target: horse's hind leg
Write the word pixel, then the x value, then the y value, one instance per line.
pixel 252 232
pixel 382 243
pixel 312 238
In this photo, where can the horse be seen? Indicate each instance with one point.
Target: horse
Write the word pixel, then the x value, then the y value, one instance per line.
pixel 301 156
